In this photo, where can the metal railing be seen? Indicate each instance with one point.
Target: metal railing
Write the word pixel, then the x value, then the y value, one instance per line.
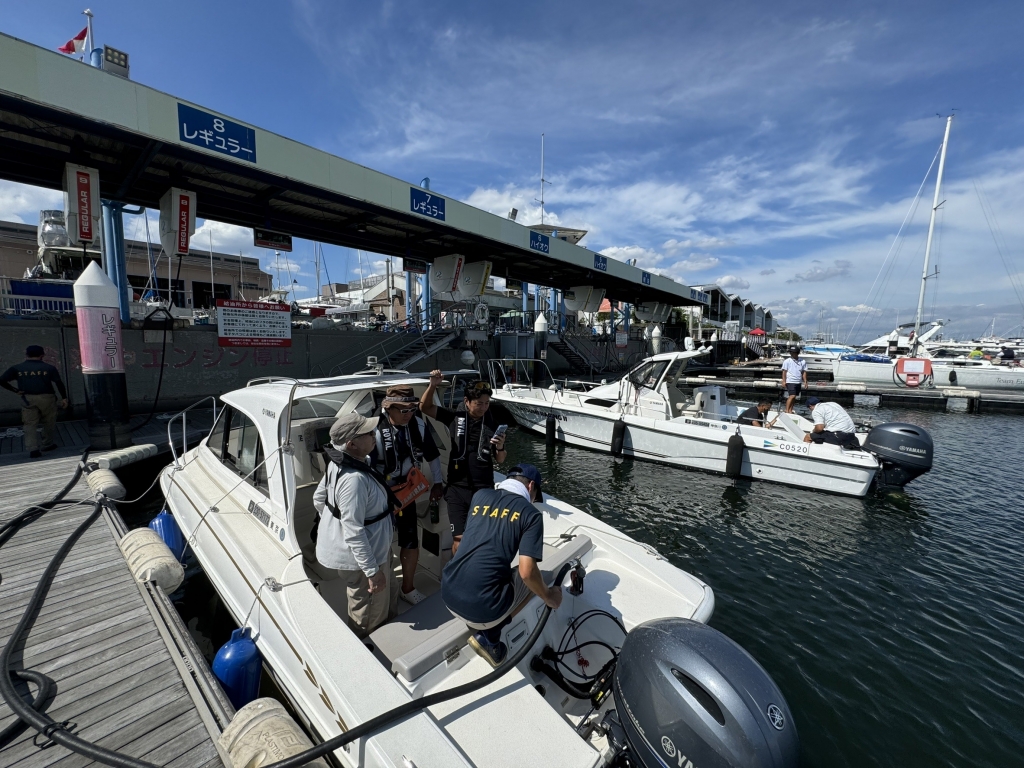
pixel 183 415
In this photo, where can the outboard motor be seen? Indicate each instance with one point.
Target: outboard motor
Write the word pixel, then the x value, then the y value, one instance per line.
pixel 689 697
pixel 905 451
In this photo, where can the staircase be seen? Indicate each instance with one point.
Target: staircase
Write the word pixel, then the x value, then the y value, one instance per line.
pixel 578 363
pixel 424 345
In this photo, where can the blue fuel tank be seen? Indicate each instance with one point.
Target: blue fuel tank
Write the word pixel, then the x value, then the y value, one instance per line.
pixel 238 667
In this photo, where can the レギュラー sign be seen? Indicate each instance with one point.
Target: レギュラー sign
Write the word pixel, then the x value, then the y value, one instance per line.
pixel 253 324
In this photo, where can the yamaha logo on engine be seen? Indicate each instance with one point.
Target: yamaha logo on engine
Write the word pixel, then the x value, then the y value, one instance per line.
pixel 776 718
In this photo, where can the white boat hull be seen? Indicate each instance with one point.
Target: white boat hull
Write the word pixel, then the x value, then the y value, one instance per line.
pixel 698 443
pixel 946 374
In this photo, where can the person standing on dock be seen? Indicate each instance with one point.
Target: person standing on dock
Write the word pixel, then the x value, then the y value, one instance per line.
pixel 354 537
pixel 474 447
pixel 402 442
pixel 35 383
pixel 794 376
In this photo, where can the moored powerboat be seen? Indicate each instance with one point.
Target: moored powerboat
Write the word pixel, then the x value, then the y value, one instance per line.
pixel 243 499
pixel 647 415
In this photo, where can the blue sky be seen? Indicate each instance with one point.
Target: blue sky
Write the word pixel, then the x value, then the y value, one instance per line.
pixel 775 148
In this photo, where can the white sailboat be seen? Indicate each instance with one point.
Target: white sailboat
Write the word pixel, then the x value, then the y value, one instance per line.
pixel 945 371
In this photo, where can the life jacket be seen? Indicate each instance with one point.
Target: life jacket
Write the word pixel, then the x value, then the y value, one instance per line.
pixel 387 435
pixel 458 431
pixel 342 459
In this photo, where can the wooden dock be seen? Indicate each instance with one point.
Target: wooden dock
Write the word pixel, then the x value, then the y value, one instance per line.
pixel 72 436
pixel 126 671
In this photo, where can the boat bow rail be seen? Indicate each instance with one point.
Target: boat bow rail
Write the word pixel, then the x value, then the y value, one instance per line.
pixel 183 415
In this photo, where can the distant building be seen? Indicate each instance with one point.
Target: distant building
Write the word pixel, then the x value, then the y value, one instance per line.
pixel 189 278
pixel 732 308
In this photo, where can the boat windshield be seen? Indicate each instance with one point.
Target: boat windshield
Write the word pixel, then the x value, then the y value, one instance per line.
pixel 675 372
pixel 648 373
pixel 328 405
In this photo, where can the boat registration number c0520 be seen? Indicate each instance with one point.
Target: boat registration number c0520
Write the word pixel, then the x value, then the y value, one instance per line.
pixel 787 447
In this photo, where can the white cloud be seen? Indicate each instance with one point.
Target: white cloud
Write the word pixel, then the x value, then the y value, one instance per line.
pixel 766 272
pixel 818 273
pixel 732 281
pixel 698 262
pixel 856 308
pixel 21 203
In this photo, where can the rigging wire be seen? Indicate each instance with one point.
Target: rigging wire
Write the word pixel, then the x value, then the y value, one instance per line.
pixel 993 228
pixel 896 239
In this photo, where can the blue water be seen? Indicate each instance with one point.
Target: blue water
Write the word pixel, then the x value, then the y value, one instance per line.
pixel 894 625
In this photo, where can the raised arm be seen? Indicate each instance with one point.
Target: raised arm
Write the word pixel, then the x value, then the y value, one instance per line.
pixel 427 405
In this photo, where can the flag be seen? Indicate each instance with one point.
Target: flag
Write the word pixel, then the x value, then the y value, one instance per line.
pixel 76 44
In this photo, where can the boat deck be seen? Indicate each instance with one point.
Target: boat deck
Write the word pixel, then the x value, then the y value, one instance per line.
pixel 125 670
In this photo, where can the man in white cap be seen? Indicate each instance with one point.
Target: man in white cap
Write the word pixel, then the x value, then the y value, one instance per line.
pixel 355 508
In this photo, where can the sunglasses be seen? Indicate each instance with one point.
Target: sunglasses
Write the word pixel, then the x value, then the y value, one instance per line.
pixel 482 387
pixel 404 411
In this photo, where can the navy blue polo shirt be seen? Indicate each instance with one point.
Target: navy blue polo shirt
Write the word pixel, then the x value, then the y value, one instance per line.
pixel 477 583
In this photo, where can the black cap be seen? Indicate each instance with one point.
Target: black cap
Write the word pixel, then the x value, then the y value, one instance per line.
pixel 812 401
pixel 530 472
pixel 34 350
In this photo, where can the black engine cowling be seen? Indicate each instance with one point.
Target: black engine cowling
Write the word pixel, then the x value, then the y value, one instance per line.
pixel 905 451
pixel 689 697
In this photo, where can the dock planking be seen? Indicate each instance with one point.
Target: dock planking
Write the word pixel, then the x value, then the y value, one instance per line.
pixel 98 633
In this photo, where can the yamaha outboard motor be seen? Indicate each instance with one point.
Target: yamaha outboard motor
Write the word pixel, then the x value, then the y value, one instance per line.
pixel 689 697
pixel 904 451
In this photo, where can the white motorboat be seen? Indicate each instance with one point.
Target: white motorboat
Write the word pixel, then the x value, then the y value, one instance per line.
pixel 647 415
pixel 243 499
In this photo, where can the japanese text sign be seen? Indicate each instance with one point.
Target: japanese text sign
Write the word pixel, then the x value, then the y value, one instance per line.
pixel 539 242
pixel 426 203
pixel 217 134
pixel 600 262
pixel 82 204
pixel 253 324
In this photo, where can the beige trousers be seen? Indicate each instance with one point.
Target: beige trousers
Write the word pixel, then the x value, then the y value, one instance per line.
pixel 366 612
pixel 42 408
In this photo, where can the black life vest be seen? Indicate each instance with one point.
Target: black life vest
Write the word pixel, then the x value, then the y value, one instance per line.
pixel 342 459
pixel 387 435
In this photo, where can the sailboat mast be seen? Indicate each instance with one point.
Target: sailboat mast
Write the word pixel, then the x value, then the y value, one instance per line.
pixel 542 179
pixel 931 234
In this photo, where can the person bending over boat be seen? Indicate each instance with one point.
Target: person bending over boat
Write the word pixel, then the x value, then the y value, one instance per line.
pixel 794 376
pixel 479 586
pixel 474 447
pixel 402 442
pixel 354 537
pixel 832 424
pixel 755 415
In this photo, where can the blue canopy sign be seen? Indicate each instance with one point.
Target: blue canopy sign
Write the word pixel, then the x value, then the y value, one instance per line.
pixel 426 203
pixel 600 262
pixel 645 278
pixel 539 242
pixel 217 134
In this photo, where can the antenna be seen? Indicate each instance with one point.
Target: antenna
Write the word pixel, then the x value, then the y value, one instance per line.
pixel 543 181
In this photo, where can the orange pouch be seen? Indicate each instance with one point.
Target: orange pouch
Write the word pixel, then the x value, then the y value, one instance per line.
pixel 415 485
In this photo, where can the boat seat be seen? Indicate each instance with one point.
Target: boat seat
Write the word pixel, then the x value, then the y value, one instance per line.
pixel 418 640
